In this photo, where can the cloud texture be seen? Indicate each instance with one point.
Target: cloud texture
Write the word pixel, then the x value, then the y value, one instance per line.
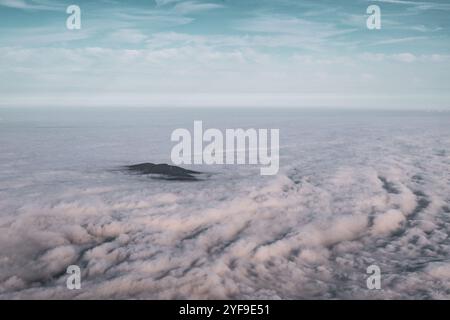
pixel 354 190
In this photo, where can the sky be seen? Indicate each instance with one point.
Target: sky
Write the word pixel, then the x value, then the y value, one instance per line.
pixel 299 53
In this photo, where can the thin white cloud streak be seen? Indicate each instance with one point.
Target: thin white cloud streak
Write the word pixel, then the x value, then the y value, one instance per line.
pixel 397 40
pixel 165 2
pixel 420 5
pixel 303 33
pixel 32 5
pixel 41 36
pixel 289 25
pixel 189 7
pixel 133 36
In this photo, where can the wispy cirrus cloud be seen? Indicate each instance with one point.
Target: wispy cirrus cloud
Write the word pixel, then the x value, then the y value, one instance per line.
pixel 296 31
pixel 421 5
pixel 188 7
pixel 165 2
pixel 31 5
pixel 397 40
pixel 252 40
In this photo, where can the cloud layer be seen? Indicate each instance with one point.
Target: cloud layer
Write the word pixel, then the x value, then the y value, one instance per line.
pixel 354 190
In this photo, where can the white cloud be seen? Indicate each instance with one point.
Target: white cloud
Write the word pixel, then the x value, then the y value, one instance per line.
pixel 210 66
pixel 133 36
pixel 388 222
pixel 421 5
pixel 32 5
pixel 165 2
pixel 397 40
pixel 315 227
pixel 405 57
pixel 187 7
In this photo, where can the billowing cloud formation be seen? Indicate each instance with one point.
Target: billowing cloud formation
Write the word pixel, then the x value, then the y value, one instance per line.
pixel 354 190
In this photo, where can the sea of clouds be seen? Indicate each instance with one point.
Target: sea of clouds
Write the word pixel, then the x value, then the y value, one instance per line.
pixel 354 189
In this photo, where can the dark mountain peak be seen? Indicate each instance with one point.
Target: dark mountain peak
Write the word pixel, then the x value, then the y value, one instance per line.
pixel 164 171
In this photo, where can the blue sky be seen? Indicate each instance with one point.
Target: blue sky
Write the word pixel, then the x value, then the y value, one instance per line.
pixel 302 53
